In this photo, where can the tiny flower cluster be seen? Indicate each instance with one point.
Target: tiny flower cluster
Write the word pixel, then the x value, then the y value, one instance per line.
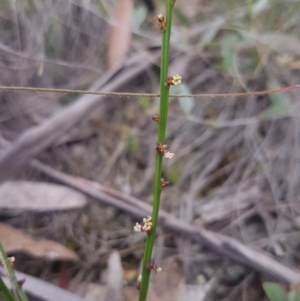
pixel 169 155
pixel 146 227
pixel 173 80
pixel 161 22
pixel 11 261
pixel 151 266
pixel 176 79
pixel 163 150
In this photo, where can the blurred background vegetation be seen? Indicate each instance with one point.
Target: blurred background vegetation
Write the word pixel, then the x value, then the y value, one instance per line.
pixel 236 164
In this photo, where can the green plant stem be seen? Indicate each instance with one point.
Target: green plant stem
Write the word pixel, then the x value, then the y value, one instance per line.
pixel 5 292
pixel 163 115
pixel 18 291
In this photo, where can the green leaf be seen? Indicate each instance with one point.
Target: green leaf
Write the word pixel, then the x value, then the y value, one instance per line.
pixel 275 292
pixel 102 9
pixel 280 104
pixel 294 295
pixel 186 103
pixel 259 6
pixel 139 15
pixel 228 44
pixel 181 17
pixel 145 103
pixel 174 172
pixel 208 36
pixel 213 122
pixel 133 145
pixel 5 292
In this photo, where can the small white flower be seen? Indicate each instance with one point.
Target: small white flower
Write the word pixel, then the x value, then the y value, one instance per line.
pixel 140 278
pixel 176 79
pixel 147 220
pixel 157 269
pixel 137 227
pixel 169 155
pixel 160 17
pixel 147 227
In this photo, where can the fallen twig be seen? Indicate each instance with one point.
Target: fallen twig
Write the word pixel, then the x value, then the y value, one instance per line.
pixel 235 250
pixel 36 139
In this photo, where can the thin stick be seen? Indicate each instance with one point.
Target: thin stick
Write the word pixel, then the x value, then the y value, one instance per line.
pixel 125 94
pixel 227 246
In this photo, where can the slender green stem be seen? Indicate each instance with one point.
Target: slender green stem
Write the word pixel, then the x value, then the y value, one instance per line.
pixel 5 292
pixel 163 115
pixel 18 291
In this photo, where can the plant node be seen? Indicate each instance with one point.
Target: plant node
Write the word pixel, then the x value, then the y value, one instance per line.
pixel 173 80
pixel 161 22
pixel 163 183
pixel 155 118
pixel 161 148
pixel 151 266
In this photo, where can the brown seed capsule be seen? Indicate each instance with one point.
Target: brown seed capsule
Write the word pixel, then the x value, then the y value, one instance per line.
pixel 138 286
pixel 151 266
pixel 161 22
pixel 160 18
pixel 21 282
pixel 169 81
pixel 155 118
pixel 163 183
pixel 161 148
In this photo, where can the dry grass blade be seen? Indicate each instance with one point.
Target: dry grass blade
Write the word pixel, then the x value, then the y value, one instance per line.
pixel 120 33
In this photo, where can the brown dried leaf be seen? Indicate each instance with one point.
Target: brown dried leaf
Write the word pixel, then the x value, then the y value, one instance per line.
pixel 167 282
pixel 166 286
pixel 120 32
pixel 14 240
